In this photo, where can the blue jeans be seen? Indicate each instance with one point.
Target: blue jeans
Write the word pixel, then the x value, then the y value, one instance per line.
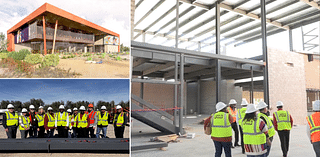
pixel 263 155
pixel 104 131
pixel 225 145
pixel 50 133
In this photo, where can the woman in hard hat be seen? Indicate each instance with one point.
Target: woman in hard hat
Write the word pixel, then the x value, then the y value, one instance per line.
pixel 314 127
pixel 73 122
pixel 119 122
pixel 102 124
pixel 49 122
pixel 24 123
pixel 10 122
pixel 240 115
pixel 70 126
pixel 40 119
pixel 255 133
pixel 82 123
pixel 33 132
pixel 62 122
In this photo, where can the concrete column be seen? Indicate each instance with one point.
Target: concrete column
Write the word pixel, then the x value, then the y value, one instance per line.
pixel 85 49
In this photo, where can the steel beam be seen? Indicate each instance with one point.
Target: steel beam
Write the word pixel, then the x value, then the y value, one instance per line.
pixel 158 67
pixel 305 22
pixel 199 96
pixel 149 146
pixel 181 93
pixel 149 12
pixel 311 3
pixel 176 66
pixel 290 40
pixel 137 5
pixel 141 88
pixel 139 61
pixel 259 36
pixel 218 66
pixel 154 81
pixel 251 91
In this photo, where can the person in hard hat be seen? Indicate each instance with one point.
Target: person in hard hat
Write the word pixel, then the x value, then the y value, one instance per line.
pixel 255 133
pixel 263 108
pixel 119 122
pixel 82 123
pixel 102 124
pixel 10 122
pixel 93 121
pixel 313 130
pixel 282 122
pixel 232 110
pixel 69 111
pixel 73 122
pixel 240 115
pixel 62 122
pixel 40 119
pixel 33 132
pixel 24 124
pixel 49 122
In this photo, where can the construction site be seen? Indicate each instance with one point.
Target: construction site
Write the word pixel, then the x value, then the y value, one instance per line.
pixel 187 55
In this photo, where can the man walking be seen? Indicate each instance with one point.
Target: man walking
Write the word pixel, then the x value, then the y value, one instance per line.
pixel 40 119
pixel 62 122
pixel 232 110
pixel 282 122
pixel 103 118
pixel 33 132
pixel 119 122
pixel 10 122
pixel 93 121
pixel 49 122
pixel 24 124
pixel 314 127
pixel 240 115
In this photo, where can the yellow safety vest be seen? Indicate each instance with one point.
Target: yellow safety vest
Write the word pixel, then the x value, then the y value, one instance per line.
pixel 75 117
pixel 12 119
pixel 82 123
pixel 241 114
pixel 120 119
pixel 251 132
pixel 104 120
pixel 283 120
pixel 25 122
pixel 51 120
pixel 40 119
pixel 271 130
pixel 220 125
pixel 61 121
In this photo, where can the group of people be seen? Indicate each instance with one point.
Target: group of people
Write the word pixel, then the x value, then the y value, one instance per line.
pixel 80 124
pixel 257 128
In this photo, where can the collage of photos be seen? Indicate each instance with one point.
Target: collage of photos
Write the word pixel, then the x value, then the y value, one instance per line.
pixel 141 78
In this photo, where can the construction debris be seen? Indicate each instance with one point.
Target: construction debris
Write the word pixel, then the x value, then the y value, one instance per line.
pixel 166 138
pixel 191 135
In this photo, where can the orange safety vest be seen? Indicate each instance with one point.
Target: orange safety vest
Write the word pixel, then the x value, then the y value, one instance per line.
pixel 314 123
pixel 35 113
pixel 233 113
pixel 91 116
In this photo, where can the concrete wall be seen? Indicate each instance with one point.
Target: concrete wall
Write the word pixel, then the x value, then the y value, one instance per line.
pixel 287 83
pixel 192 94
pixel 21 46
pixel 257 96
pixel 110 48
pixel 312 70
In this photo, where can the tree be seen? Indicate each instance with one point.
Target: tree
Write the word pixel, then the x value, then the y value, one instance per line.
pixel 4 104
pixel 3 42
pixel 124 48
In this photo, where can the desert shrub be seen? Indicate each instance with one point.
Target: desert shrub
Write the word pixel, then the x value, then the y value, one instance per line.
pixel 89 58
pixel 33 58
pixel 3 55
pixel 104 55
pixel 64 57
pixel 17 64
pixel 118 58
pixel 50 60
pixel 21 55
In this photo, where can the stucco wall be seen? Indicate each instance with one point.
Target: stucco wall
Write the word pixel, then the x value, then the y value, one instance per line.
pixel 312 70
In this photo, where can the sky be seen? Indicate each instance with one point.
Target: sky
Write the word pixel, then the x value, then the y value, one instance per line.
pixel 113 15
pixel 51 90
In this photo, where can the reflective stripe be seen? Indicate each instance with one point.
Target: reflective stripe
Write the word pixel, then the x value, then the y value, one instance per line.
pixel 220 126
pixel 255 128
pixel 314 129
pixel 311 121
pixel 288 117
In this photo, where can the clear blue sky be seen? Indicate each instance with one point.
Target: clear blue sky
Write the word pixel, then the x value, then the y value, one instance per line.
pixel 50 90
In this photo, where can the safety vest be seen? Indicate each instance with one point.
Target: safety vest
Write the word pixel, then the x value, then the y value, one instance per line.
pixel 271 130
pixel 61 121
pixel 25 122
pixel 91 116
pixel 233 113
pixel 104 120
pixel 220 125
pixel 75 117
pixel 120 119
pixel 251 132
pixel 12 119
pixel 51 120
pixel 40 119
pixel 283 120
pixel 241 114
pixel 82 123
pixel 35 113
pixel 314 123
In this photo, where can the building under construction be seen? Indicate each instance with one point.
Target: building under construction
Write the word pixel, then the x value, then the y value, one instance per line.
pixel 51 28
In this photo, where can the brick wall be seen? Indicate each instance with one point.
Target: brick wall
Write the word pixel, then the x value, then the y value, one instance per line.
pixel 312 70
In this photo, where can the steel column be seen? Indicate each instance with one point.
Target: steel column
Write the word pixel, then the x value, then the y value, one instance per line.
pixel 144 37
pixel 44 35
pixel 199 96
pixel 181 92
pixel 290 40
pixel 265 52
pixel 199 46
pixel 141 88
pixel 218 66
pixel 176 67
pixel 251 91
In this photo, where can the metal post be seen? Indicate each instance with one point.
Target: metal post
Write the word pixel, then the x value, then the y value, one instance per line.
pixel 44 36
pixel 181 91
pixel 199 46
pixel 54 37
pixel 141 88
pixel 199 96
pixel 144 37
pixel 176 67
pixel 218 66
pixel 264 52
pixel 251 92
pixel 302 38
pixel 290 40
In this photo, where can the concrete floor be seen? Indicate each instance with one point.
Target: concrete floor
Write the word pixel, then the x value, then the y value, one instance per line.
pixel 202 144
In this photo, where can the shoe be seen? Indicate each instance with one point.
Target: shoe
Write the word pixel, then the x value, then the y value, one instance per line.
pixel 237 145
pixel 232 146
pixel 243 152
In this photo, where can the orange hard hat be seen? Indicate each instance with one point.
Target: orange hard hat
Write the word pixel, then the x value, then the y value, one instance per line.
pixel 90 105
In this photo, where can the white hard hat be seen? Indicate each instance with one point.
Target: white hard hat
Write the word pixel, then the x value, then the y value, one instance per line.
pixel 261 105
pixel 24 110
pixel 244 102
pixel 103 108
pixel 232 101
pixel 75 109
pixel 61 107
pixel 251 108
pixel 220 106
pixel 69 110
pixel 31 107
pixel 10 106
pixel 118 107
pixel 82 108
pixel 279 103
pixel 50 108
pixel 316 105
pixel 40 107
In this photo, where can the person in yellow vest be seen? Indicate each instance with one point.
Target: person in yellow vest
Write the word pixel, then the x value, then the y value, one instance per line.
pixel 10 122
pixel 40 118
pixel 24 123
pixel 314 127
pixel 82 123
pixel 49 122
pixel 221 131
pixel 70 126
pixel 282 122
pixel 73 122
pixel 240 115
pixel 119 122
pixel 263 108
pixel 62 122
pixel 232 110
pixel 102 124
pixel 255 133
